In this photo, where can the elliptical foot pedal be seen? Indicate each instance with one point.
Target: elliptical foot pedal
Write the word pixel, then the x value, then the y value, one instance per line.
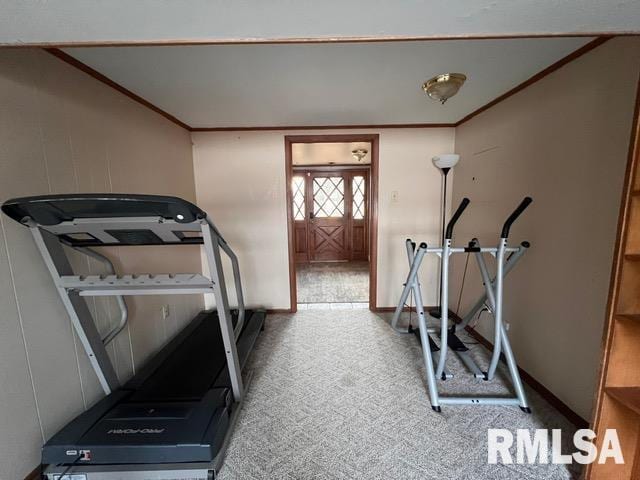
pixel 432 344
pixel 525 409
pixel 455 343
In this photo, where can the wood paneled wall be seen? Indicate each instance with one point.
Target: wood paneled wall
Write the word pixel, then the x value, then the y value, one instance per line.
pixel 63 131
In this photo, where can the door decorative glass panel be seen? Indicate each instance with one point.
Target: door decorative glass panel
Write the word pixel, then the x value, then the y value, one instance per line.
pixel 298 198
pixel 328 197
pixel 358 187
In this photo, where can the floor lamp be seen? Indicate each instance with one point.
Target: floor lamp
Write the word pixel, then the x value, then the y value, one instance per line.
pixel 444 163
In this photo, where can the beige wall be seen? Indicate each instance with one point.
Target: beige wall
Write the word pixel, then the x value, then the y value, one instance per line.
pixel 563 141
pixel 324 153
pixel 62 131
pixel 240 181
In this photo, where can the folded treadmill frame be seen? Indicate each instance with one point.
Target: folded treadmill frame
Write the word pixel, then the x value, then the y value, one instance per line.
pixel 183 227
pixel 83 221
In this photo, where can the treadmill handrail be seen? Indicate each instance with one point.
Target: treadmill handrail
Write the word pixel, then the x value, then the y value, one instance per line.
pixel 236 279
pixel 124 312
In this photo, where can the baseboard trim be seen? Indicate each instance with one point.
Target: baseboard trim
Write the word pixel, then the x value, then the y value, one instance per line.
pixel 272 311
pixel 34 475
pixel 543 391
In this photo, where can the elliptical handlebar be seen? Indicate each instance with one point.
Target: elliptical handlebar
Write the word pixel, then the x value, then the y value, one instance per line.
pixel 514 216
pixel 452 223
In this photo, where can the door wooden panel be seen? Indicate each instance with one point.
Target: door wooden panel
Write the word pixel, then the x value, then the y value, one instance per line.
pixel 328 242
pixel 358 243
pixel 300 242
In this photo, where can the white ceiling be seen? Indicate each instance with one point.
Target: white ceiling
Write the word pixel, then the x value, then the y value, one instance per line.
pixel 328 153
pixel 91 21
pixel 322 84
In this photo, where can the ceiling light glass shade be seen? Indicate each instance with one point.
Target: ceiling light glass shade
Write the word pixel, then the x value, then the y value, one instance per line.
pixel 442 87
pixel 448 160
pixel 359 153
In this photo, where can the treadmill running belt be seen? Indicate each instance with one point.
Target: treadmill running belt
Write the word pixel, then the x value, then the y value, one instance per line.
pixel 190 370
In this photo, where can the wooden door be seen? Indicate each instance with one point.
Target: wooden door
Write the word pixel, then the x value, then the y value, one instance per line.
pixel 328 216
pixel 330 208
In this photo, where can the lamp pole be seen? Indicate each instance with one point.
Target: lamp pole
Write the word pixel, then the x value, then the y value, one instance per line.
pixel 435 312
pixel 444 163
pixel 445 171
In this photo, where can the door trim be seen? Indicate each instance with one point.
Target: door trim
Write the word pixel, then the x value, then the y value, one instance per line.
pixel 372 138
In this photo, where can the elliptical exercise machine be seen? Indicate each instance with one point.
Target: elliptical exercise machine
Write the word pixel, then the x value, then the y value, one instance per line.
pixel 435 355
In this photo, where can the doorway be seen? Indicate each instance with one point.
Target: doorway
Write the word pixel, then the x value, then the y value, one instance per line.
pixel 332 218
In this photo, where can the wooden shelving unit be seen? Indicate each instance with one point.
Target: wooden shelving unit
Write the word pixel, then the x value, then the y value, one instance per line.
pixel 618 394
pixel 627 396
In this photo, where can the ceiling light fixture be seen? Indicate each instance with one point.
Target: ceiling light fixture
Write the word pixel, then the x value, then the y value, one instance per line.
pixel 359 153
pixel 442 87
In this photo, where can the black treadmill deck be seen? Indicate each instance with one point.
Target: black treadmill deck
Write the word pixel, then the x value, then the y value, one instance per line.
pixel 176 409
pixel 190 371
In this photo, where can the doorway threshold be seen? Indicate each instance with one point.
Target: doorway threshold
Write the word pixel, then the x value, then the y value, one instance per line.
pixel 334 306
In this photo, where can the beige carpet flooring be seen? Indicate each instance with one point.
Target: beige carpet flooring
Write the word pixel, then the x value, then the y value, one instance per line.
pixel 333 282
pixel 339 395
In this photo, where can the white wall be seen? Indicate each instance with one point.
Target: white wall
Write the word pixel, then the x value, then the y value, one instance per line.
pixel 62 131
pixel 240 181
pixel 564 142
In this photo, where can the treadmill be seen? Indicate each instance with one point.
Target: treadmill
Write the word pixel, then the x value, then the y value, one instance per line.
pixel 173 419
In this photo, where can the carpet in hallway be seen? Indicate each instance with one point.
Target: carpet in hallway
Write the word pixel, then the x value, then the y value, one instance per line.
pixel 333 282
